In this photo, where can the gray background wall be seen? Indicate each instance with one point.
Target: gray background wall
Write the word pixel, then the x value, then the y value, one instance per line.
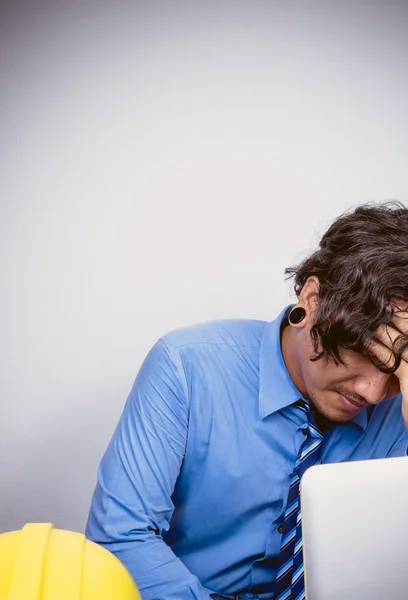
pixel 161 163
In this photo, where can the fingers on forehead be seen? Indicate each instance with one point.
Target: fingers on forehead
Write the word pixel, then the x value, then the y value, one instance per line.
pixel 382 351
pixel 388 343
pixel 400 322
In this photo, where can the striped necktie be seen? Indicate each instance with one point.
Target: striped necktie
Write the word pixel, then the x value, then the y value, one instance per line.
pixel 290 583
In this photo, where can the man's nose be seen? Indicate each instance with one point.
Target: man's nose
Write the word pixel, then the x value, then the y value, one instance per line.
pixel 373 387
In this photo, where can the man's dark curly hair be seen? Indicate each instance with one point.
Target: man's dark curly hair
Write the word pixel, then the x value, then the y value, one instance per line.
pixel 362 267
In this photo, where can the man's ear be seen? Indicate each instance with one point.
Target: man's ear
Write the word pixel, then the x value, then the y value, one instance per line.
pixel 309 296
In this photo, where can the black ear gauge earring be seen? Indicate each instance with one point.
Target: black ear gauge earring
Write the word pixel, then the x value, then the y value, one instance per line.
pixel 296 315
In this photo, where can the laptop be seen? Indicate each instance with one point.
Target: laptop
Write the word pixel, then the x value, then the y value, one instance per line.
pixel 355 530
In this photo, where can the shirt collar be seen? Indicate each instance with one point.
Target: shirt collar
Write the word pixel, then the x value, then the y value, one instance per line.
pixel 276 388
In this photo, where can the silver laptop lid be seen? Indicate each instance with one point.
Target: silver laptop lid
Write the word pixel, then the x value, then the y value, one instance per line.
pixel 355 530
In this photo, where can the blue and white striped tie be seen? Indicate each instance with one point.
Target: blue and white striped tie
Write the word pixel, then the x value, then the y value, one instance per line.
pixel 290 583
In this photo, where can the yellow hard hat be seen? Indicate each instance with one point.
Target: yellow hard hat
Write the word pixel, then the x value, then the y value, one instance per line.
pixel 42 563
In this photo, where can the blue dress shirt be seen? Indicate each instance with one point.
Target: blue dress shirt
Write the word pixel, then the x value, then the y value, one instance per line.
pixel 192 488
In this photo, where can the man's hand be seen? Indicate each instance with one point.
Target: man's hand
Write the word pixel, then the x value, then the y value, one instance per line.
pixel 395 336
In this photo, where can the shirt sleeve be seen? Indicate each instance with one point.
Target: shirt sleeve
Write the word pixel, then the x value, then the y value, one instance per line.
pixel 131 506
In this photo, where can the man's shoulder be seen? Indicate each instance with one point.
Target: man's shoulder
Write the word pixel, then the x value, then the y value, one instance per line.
pixel 230 332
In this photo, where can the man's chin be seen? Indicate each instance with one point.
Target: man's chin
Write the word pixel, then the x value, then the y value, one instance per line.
pixel 337 414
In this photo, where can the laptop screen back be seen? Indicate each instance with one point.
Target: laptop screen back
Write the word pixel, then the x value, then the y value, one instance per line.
pixel 355 530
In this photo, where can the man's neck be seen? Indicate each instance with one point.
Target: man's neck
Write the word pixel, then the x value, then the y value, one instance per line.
pixel 292 367
pixel 289 357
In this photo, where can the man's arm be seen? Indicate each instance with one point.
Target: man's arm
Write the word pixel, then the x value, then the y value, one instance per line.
pixel 131 506
pixel 400 446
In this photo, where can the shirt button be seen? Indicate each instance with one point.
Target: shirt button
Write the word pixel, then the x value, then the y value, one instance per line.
pixel 280 528
pixel 305 431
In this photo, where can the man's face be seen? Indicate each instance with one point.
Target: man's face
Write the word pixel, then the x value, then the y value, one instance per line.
pixel 340 392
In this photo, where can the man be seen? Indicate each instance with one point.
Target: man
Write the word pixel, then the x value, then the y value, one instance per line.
pixel 198 492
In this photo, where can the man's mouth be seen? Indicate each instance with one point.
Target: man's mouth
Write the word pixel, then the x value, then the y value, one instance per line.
pixel 350 404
